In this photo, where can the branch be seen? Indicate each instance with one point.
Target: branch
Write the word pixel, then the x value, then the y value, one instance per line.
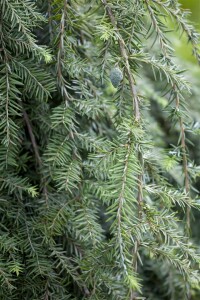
pixel 185 161
pixel 158 30
pixel 32 137
pixel 187 28
pixel 131 84
pixel 120 205
pixel 50 20
pixel 61 79
pixel 36 151
pixel 175 89
pixel 124 54
pixel 7 115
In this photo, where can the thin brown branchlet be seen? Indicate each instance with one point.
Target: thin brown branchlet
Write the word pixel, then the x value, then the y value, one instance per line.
pixel 137 119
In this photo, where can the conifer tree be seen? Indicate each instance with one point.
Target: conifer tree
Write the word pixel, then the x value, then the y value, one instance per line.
pixel 97 182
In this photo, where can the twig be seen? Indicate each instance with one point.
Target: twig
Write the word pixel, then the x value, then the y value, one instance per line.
pixel 185 161
pixel 125 56
pixel 185 170
pixel 136 109
pixel 46 295
pixel 61 79
pixel 49 20
pixel 32 137
pixel 120 205
pixel 36 151
pixel 174 86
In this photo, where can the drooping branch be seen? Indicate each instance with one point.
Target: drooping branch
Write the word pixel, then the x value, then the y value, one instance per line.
pixel 49 20
pixel 36 151
pixel 120 205
pixel 124 54
pixel 60 54
pixel 185 160
pixel 7 115
pixel 166 51
pixel 32 137
pixel 159 33
pixel 136 109
pixel 131 80
pixel 179 16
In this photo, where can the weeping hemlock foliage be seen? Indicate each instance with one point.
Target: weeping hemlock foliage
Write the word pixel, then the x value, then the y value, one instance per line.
pixel 97 184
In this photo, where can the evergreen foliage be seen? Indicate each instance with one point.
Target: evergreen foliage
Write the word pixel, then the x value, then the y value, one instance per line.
pixel 97 183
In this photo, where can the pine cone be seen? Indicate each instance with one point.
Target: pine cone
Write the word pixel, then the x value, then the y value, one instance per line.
pixel 116 76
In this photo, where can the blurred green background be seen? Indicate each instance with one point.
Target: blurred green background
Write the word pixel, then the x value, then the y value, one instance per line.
pixel 182 49
pixel 194 6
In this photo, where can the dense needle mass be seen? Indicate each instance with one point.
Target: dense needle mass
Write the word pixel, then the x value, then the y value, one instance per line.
pixel 97 184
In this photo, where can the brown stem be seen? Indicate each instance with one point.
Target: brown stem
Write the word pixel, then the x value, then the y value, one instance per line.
pixel 46 295
pixel 136 109
pixel 32 137
pixel 185 170
pixel 121 200
pixel 185 162
pixel 124 54
pixel 139 200
pixel 36 151
pixel 183 144
pixel 61 41
pixel 140 184
pixel 131 80
pixel 49 20
pixel 61 80
pixel 157 29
